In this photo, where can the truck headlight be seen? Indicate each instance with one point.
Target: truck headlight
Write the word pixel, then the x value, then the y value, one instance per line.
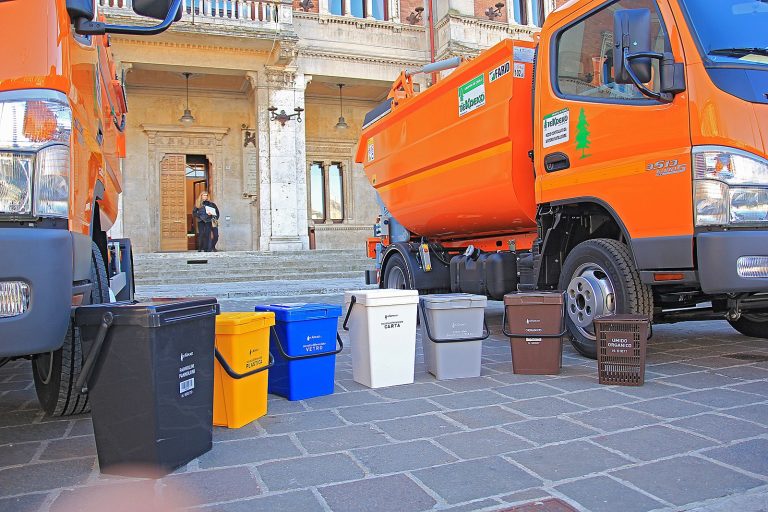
pixel 730 187
pixel 35 130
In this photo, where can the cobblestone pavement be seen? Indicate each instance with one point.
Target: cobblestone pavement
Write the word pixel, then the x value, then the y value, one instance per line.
pixel 694 437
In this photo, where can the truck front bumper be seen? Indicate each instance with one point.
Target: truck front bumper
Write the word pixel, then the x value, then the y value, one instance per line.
pixel 42 259
pixel 720 254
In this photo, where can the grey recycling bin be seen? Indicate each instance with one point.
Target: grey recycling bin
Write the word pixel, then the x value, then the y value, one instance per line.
pixel 452 332
pixel 149 377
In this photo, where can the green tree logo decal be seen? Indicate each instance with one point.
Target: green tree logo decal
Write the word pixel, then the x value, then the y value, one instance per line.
pixel 582 134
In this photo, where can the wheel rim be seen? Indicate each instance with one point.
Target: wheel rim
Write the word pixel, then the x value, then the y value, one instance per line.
pixel 44 366
pixel 396 278
pixel 589 294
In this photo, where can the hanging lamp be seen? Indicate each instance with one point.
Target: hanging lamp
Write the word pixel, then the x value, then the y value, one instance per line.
pixel 187 117
pixel 342 124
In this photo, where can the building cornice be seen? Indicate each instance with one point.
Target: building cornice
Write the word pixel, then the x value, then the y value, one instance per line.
pixel 177 129
pixel 150 42
pixel 487 25
pixel 367 59
pixel 362 23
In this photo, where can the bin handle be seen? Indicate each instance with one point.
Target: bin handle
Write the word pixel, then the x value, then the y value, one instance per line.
pixel 232 373
pixel 527 335
pixel 352 301
pixel 486 330
pixel 306 356
pixel 85 372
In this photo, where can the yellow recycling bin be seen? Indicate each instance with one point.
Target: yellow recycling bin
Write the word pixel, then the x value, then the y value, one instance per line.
pixel 240 372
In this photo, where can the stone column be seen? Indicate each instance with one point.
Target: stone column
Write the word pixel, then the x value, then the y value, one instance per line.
pixel 369 8
pixel 282 162
pixel 323 7
pixel 347 7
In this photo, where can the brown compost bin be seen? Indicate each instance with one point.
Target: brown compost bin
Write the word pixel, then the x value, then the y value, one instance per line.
pixel 535 325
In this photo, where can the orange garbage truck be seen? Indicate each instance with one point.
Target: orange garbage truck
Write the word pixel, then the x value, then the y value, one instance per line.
pixel 62 121
pixel 621 157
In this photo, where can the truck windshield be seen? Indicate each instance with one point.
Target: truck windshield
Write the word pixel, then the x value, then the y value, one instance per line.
pixel 731 30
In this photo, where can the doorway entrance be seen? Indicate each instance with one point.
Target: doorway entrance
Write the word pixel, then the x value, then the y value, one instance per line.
pixel 182 179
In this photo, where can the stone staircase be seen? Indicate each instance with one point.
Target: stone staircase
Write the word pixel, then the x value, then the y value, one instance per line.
pixel 241 266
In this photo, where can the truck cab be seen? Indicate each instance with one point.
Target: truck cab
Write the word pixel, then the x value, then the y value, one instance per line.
pixel 674 168
pixel 62 120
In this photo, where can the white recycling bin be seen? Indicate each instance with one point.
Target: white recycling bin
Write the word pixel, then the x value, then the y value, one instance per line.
pixel 452 333
pixel 382 334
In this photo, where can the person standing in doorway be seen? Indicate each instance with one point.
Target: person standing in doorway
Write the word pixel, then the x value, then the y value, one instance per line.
pixel 207 214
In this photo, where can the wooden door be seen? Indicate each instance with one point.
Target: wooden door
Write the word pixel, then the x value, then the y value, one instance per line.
pixel 173 211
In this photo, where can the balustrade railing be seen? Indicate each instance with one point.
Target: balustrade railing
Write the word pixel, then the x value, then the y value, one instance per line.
pixel 261 12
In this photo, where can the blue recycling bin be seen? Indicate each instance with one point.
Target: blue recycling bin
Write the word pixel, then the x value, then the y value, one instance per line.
pixel 303 343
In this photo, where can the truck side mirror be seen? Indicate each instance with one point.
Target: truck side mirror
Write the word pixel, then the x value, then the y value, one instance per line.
pixel 157 9
pixel 632 36
pixel 80 9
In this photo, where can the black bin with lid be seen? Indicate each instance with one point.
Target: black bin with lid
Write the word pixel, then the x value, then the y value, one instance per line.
pixel 149 375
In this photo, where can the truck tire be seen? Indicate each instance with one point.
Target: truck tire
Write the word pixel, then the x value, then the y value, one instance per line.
pixel 55 373
pixel 396 274
pixel 600 278
pixel 754 325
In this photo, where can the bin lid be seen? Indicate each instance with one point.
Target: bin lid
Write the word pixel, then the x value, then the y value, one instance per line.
pixel 382 297
pixel 299 311
pixel 243 322
pixel 154 312
pixel 525 298
pixel 454 301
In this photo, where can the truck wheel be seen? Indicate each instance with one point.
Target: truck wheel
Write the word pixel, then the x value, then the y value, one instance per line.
pixel 600 278
pixel 55 373
pixel 396 274
pixel 754 325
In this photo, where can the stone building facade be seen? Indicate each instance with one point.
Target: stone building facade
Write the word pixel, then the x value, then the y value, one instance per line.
pixel 280 184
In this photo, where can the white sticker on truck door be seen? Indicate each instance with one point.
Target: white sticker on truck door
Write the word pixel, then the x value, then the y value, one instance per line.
pixel 557 128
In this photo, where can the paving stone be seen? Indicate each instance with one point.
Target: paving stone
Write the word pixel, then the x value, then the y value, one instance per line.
pixel 545 407
pixel 507 377
pixel 28 503
pixel 308 471
pixel 476 479
pixel 382 494
pixel 69 448
pixel 596 398
pixel 469 384
pixel 295 501
pixel 215 485
pixel 686 479
pixel 569 460
pixel 45 476
pixel 701 380
pixel 249 451
pixel 341 438
pixel 409 391
pixel 526 496
pixel 758 388
pixel 470 399
pixel 717 362
pixel 417 427
pixel 757 413
pixel 614 418
pixel 578 383
pixel 653 442
pixel 385 411
pixel 13 454
pixel 34 432
pixel 550 430
pixel 669 408
pixel 747 372
pixel 279 405
pixel 343 399
pixel 473 506
pixel 14 385
pixel 651 389
pixel 16 418
pixel 673 368
pixel 482 443
pixel 603 494
pixel 720 427
pixel 82 427
pixel 721 398
pixel 299 422
pixel 401 457
pixel 750 455
pixel 250 431
pixel 529 390
pixel 481 417
pixel 120 494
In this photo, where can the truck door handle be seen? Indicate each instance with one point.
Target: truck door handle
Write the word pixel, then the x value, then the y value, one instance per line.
pixel 556 162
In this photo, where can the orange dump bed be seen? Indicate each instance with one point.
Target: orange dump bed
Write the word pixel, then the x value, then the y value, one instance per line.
pixel 452 162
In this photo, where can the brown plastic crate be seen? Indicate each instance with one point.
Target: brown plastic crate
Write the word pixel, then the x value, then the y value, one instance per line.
pixel 533 321
pixel 621 348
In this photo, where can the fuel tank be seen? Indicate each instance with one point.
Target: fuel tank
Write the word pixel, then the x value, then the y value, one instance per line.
pixel 452 162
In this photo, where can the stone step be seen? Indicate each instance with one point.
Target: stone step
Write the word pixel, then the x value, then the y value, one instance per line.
pixel 227 278
pixel 251 268
pixel 299 255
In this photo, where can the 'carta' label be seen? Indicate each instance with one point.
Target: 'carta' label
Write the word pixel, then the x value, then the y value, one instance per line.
pixel 472 95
